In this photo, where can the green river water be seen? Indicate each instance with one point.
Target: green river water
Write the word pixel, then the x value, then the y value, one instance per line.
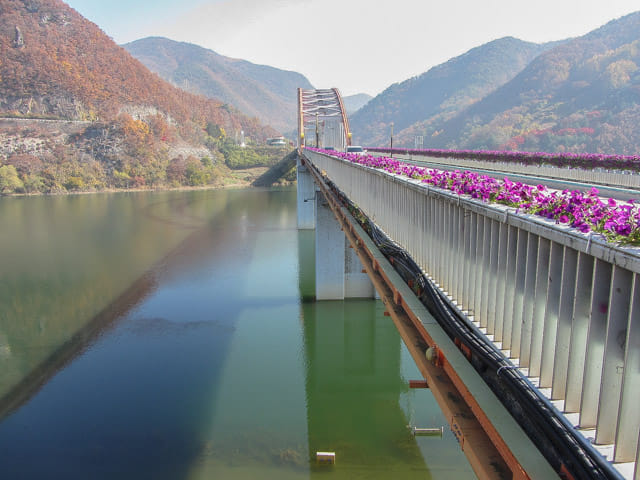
pixel 174 335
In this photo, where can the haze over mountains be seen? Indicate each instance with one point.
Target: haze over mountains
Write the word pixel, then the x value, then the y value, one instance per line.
pixel 260 91
pixel 353 103
pixel 443 90
pixel 578 95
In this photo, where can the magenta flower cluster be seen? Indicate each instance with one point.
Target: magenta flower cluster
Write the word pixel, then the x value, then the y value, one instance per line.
pixel 617 221
pixel 563 160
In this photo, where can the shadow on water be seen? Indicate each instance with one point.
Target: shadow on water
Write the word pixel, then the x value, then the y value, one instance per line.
pixel 353 387
pixel 130 393
pixel 84 333
pixel 214 363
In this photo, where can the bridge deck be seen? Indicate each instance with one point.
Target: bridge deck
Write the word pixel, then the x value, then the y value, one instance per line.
pixel 493 442
pixel 563 305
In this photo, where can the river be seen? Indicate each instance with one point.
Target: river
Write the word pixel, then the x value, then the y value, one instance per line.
pixel 173 335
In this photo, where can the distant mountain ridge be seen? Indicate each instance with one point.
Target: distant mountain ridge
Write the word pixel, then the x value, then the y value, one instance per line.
pixel 55 62
pixel 260 91
pixel 579 95
pixel 353 103
pixel 582 95
pixel 445 89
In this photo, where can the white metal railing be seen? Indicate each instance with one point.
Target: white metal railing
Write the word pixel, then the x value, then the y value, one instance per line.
pixel 597 176
pixel 564 305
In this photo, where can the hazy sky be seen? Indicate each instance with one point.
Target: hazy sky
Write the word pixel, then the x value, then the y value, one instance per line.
pixel 354 45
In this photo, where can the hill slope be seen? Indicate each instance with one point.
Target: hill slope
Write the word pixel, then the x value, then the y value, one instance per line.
pixel 353 103
pixel 138 130
pixel 444 90
pixel 56 62
pixel 256 90
pixel 583 95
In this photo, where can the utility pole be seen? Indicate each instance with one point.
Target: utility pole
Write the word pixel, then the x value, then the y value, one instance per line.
pixel 391 140
pixel 317 133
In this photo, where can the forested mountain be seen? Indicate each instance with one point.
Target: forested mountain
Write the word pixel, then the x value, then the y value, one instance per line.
pixel 256 90
pixel 353 103
pixel 583 95
pixel 579 95
pixel 57 65
pixel 56 62
pixel 444 90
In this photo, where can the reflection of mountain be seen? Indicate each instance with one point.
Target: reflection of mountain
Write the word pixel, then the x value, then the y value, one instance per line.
pixel 79 341
pixel 139 402
pixel 353 386
pixel 79 266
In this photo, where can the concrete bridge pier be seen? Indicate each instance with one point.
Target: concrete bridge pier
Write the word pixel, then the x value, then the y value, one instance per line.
pixel 339 272
pixel 306 198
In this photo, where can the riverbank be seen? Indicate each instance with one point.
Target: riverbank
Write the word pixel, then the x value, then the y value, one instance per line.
pixel 242 178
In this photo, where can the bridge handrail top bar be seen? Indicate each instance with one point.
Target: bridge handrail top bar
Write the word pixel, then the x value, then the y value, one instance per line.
pixel 591 243
pixel 595 159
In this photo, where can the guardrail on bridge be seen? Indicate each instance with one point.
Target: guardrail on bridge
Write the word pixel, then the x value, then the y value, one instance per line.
pixel 564 304
pixel 597 176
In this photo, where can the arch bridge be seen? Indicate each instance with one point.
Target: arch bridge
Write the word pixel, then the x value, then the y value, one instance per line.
pixel 322 119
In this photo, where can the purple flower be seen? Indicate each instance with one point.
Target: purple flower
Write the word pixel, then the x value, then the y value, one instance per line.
pixel 585 212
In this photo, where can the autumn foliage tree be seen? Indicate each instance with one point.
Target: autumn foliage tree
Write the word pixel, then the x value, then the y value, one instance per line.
pixel 56 64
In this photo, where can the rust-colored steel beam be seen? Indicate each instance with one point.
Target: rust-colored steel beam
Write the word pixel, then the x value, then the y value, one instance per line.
pixel 345 120
pixel 321 104
pixel 300 122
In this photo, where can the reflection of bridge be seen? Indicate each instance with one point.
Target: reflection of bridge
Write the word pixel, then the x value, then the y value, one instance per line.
pixel 560 305
pixel 353 389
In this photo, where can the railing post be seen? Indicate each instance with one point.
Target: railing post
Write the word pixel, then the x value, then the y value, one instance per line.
pixel 579 329
pixel 614 346
pixel 514 246
pixel 551 314
pixel 539 307
pixel 628 422
pixel 493 276
pixel 520 292
pixel 565 319
pixel 595 344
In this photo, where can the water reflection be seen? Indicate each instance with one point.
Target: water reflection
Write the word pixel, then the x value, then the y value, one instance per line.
pixel 180 343
pixel 72 265
pixel 139 400
pixel 353 386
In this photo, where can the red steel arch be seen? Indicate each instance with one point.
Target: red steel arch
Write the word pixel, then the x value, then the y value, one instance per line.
pixel 322 119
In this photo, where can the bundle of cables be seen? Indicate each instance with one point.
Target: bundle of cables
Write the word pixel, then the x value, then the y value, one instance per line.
pixel 565 448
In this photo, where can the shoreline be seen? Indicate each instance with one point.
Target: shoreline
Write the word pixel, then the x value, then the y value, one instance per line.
pixel 236 184
pixel 127 190
pixel 250 175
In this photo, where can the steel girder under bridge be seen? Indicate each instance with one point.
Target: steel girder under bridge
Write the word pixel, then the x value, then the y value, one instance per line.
pixel 322 119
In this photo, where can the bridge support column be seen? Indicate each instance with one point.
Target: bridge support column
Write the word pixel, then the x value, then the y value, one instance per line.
pixel 356 283
pixel 306 198
pixel 338 269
